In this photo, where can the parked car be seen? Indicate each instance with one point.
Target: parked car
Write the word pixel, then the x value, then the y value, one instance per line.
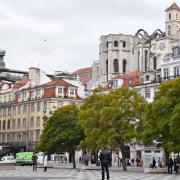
pixel 8 159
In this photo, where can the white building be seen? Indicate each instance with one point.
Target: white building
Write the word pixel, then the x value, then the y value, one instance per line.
pixel 119 53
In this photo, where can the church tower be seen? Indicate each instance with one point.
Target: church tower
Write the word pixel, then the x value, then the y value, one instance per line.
pixel 172 20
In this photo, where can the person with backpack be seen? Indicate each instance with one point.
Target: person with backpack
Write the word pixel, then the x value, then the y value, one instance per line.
pixel 105 159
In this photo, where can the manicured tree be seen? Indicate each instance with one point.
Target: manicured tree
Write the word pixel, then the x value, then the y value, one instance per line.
pixel 62 132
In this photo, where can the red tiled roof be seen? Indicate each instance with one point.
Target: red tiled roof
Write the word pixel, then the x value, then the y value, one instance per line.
pixel 128 75
pixel 21 82
pixel 173 6
pixel 58 82
pixel 83 70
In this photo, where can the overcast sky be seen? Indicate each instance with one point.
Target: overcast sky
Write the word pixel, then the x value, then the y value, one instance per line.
pixel 64 34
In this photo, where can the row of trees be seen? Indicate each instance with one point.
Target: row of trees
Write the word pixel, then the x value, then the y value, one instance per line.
pixel 115 119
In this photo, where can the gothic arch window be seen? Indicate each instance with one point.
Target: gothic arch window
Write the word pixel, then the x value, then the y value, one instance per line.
pixel 107 44
pixel 124 65
pixel 145 60
pixel 107 69
pixel 115 44
pixel 138 60
pixel 116 66
pixel 169 16
pixel 107 66
pixel 169 30
pixel 124 44
pixel 154 63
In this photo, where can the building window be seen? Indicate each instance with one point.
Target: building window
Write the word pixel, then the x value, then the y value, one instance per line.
pixel 8 137
pixel 9 111
pixel 19 109
pixel 154 63
pixel 32 122
pixel 169 30
pixel 9 97
pixel 38 122
pixel 146 60
pixel 44 106
pixel 13 124
pixel 146 77
pixel 115 44
pixel 24 96
pixel 138 60
pixel 4 112
pixel 14 110
pixel 8 124
pixel 176 71
pixel 169 16
pixel 166 73
pixel 0 112
pixel 38 93
pixel 3 137
pixel 4 125
pixel 147 94
pixel 37 135
pixel 60 90
pixel 31 136
pixel 176 51
pixel 124 65
pixel 71 92
pixel 116 66
pixel 124 44
pixel 38 106
pixel 19 124
pixel 106 44
pixel 24 123
pixel 13 137
pixel 32 107
pixel 19 136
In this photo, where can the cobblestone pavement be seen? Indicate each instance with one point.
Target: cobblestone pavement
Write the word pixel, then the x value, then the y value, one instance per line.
pixel 26 173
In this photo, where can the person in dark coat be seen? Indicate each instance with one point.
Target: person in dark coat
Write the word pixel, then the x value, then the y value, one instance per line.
pixel 34 162
pixel 170 165
pixel 154 163
pixel 105 159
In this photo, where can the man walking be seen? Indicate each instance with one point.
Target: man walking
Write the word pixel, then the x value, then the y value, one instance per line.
pixel 105 159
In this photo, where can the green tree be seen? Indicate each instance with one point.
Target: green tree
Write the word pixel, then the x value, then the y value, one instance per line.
pixel 163 117
pixel 112 119
pixel 62 132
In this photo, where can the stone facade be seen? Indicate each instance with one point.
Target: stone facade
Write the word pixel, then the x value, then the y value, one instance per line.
pixel 119 53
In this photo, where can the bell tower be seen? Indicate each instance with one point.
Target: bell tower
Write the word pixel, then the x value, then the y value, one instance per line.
pixel 172 20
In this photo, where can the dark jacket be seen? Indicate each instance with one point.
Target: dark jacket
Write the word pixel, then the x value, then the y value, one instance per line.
pixel 105 157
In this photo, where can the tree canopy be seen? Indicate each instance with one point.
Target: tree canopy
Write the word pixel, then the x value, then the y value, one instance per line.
pixel 162 123
pixel 62 132
pixel 112 119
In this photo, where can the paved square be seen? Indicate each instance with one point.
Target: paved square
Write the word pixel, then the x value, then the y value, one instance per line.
pixel 26 173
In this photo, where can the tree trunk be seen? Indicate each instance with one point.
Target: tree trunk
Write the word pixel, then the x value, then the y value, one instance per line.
pixel 73 159
pixel 122 148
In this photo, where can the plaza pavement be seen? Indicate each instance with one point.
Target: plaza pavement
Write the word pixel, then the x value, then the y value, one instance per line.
pixel 26 173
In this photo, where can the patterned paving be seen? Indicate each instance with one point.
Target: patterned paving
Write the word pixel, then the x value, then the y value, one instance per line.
pixel 71 174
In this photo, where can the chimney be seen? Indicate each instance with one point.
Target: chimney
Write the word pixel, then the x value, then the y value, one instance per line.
pixel 34 76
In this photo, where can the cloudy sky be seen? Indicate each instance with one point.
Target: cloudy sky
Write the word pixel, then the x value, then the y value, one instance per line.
pixel 64 34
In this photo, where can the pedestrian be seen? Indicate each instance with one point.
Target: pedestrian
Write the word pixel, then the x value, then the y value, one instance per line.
pixel 105 159
pixel 45 160
pixel 154 164
pixel 34 162
pixel 80 161
pixel 170 165
pixel 176 167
